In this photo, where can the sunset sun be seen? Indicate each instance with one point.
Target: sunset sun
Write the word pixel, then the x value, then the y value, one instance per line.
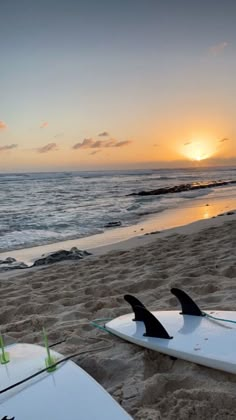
pixel 198 150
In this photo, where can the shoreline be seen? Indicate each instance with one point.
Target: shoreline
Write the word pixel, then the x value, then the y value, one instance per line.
pixel 164 223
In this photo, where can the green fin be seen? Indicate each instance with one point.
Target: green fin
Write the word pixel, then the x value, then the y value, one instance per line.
pixel 4 357
pixel 50 360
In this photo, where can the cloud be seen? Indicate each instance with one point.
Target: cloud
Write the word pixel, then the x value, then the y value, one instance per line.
pixel 187 143
pixel 219 48
pixel 50 147
pixel 223 140
pixel 8 147
pixel 122 143
pixel 58 135
pixel 95 152
pixel 2 125
pixel 44 125
pixel 86 144
pixel 104 143
pixel 156 145
pixel 103 134
pixel 97 144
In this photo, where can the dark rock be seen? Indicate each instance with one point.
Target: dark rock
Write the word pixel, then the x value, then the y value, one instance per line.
pixel 13 266
pixel 8 260
pixel 184 187
pixel 230 213
pixel 112 224
pixel 155 232
pixel 62 255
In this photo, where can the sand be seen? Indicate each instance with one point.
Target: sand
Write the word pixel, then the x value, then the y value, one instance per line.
pixel 65 297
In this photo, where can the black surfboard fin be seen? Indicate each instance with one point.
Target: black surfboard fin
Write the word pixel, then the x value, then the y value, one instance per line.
pixel 153 327
pixel 189 307
pixel 135 304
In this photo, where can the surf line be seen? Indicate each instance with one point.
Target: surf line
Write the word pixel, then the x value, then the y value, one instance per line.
pixel 96 324
pixel 214 318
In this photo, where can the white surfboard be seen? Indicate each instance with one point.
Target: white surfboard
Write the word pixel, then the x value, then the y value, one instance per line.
pixel 198 339
pixel 65 394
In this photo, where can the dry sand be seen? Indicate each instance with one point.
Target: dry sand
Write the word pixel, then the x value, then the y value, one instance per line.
pixel 65 297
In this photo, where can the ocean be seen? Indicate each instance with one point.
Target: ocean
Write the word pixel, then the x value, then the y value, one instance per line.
pixel 48 207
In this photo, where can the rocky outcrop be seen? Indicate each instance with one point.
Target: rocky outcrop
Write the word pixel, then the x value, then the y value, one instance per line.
pixel 185 187
pixel 62 255
pixel 228 213
pixel 11 264
pixel 113 224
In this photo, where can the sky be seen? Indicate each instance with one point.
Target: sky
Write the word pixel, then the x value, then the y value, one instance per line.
pixel 88 84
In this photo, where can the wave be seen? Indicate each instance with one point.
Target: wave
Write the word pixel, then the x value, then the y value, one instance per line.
pixel 195 194
pixel 40 208
pixel 152 211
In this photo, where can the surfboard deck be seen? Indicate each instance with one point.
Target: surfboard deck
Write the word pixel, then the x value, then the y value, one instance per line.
pixel 196 339
pixel 67 393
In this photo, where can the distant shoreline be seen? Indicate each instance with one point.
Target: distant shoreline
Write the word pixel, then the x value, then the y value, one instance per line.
pixel 196 166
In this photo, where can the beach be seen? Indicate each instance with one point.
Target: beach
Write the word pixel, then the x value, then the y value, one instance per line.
pixel 65 297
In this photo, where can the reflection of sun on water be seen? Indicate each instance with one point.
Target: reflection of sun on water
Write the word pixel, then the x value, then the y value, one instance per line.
pixel 206 214
pixel 198 150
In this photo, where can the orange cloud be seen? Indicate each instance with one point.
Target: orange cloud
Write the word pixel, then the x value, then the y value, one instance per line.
pixel 7 147
pixel 86 144
pixel 2 125
pixel 223 140
pixel 95 152
pixel 51 147
pixel 44 125
pixel 97 144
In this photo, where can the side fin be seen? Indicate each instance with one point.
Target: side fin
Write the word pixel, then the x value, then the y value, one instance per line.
pixel 136 305
pixel 153 327
pixel 189 307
